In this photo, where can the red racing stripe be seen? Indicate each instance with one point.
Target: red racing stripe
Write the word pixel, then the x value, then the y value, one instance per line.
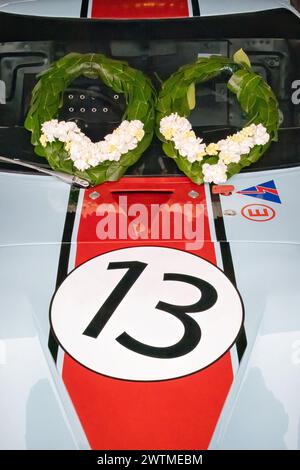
pixel 122 414
pixel 140 9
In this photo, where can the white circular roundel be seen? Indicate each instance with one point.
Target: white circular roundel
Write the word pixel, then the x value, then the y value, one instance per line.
pixel 146 313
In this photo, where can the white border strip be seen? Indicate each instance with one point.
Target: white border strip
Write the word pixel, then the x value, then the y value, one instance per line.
pixel 209 203
pixel 190 7
pixel 212 229
pixel 73 248
pixel 89 12
pixel 71 265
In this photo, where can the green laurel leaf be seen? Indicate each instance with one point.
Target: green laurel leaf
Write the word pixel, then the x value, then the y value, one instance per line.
pixel 47 99
pixel 240 57
pixel 191 96
pixel 254 95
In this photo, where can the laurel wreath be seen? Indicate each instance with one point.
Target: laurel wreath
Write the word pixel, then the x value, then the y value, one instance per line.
pixel 254 95
pixel 47 99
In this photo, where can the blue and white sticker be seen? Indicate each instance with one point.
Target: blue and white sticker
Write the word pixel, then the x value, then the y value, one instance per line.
pixel 266 191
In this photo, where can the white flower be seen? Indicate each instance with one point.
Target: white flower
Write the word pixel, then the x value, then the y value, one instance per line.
pixel 227 157
pixel 116 143
pixel 212 149
pixel 86 154
pixel 260 129
pixel 174 124
pixel 75 150
pixel 228 145
pixel 191 151
pixel 93 160
pixel 124 125
pixel 123 140
pixel 62 133
pixel 49 129
pixel 136 124
pixel 72 127
pixel 43 140
pixel 81 165
pixel 178 129
pixel 129 145
pixel 131 130
pixel 139 134
pixel 189 146
pixel 262 139
pixel 108 151
pixel 248 131
pixel 261 136
pixel 77 137
pixel 246 145
pixel 214 173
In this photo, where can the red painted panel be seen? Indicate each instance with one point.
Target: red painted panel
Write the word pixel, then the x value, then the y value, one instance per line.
pixel 173 414
pixel 140 9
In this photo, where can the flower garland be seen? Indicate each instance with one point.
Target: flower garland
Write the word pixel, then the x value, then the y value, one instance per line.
pixel 86 154
pixel 64 145
pixel 179 130
pixel 216 162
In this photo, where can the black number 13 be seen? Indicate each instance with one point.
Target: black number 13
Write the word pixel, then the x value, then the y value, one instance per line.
pixel 192 331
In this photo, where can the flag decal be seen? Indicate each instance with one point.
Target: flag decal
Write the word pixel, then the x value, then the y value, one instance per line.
pixel 266 191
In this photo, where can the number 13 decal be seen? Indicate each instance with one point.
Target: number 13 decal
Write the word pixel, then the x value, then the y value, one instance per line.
pixel 110 314
pixel 192 332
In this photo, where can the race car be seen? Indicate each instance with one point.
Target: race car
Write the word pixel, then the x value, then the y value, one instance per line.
pixel 117 331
